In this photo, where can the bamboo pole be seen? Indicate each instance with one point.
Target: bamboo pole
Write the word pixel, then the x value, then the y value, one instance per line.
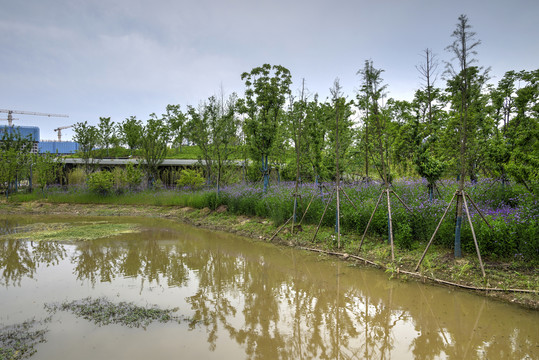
pixel 369 223
pixel 474 237
pixel 338 218
pixel 435 231
pixel 479 211
pixel 281 228
pixel 350 200
pixel 308 206
pixel 323 214
pixel 418 275
pixel 390 226
pixel 402 202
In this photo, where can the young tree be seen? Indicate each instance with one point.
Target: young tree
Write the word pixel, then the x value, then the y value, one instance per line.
pixel 15 152
pixel 460 84
pixel 522 132
pixel 316 128
pixel 213 128
pixel 339 127
pixel 371 93
pixel 130 132
pixel 46 167
pixel 154 146
pixel 87 137
pixel 267 89
pixel 107 133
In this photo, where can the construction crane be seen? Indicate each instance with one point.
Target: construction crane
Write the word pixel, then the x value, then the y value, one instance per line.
pixel 9 119
pixel 10 112
pixel 60 131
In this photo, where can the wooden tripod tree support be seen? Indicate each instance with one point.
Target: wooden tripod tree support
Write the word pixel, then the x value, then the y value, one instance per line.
pixel 464 196
pixel 336 190
pixel 386 191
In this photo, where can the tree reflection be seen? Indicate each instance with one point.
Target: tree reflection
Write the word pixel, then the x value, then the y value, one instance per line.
pixel 20 259
pixel 278 303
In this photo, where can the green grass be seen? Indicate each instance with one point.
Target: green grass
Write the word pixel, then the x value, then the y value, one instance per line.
pixel 71 231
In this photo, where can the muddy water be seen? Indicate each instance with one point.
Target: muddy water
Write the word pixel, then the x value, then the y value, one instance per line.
pixel 243 299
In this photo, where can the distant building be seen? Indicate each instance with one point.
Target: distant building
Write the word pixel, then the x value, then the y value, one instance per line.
pixel 58 147
pixel 24 131
pixel 41 147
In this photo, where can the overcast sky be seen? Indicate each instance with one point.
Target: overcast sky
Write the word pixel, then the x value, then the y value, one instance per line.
pixel 118 58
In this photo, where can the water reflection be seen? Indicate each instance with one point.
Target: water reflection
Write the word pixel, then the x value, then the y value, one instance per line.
pixel 279 303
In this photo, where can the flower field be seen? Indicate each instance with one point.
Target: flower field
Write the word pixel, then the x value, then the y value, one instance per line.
pixel 512 213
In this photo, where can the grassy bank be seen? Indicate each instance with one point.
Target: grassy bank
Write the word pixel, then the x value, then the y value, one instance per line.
pixel 438 264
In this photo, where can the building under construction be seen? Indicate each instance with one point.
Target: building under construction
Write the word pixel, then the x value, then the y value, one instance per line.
pixel 41 147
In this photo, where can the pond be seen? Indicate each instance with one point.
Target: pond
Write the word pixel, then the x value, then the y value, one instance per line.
pixel 229 297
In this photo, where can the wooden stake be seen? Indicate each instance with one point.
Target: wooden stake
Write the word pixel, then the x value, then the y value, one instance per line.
pixel 308 206
pixel 350 200
pixel 473 234
pixel 435 231
pixel 369 223
pixel 323 214
pixel 281 228
pixel 390 226
pixel 402 202
pixel 479 211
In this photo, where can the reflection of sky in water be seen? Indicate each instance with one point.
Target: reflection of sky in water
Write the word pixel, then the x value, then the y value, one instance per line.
pixel 249 299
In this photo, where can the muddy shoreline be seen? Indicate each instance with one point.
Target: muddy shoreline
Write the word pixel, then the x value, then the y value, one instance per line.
pixel 446 274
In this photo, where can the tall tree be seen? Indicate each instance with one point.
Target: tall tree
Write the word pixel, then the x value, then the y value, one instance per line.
pixel 316 128
pixel 522 132
pixel 460 83
pixel 267 88
pixel 375 121
pixel 154 146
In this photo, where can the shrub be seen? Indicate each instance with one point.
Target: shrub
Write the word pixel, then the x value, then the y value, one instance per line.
pixel 101 182
pixel 77 176
pixel 190 178
pixel 133 175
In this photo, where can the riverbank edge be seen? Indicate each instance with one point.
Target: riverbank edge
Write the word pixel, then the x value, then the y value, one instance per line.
pixel 439 266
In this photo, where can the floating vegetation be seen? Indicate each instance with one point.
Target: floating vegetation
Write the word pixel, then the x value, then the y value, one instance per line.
pixel 71 231
pixel 102 311
pixel 18 341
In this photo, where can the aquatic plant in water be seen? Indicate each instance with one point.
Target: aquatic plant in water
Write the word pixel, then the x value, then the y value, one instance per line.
pixel 102 311
pixel 18 341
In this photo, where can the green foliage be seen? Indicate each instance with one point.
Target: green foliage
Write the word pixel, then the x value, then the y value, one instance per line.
pixel 130 133
pixel 154 145
pixel 87 136
pixel 46 167
pixel 14 157
pixel 76 176
pixel 177 123
pixel 429 166
pixel 190 178
pixel 133 175
pixel 100 182
pixel 107 134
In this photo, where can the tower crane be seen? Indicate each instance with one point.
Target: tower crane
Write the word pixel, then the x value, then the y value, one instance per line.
pixel 60 131
pixel 10 112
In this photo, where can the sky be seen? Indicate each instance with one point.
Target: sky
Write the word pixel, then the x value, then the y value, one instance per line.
pixel 120 58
